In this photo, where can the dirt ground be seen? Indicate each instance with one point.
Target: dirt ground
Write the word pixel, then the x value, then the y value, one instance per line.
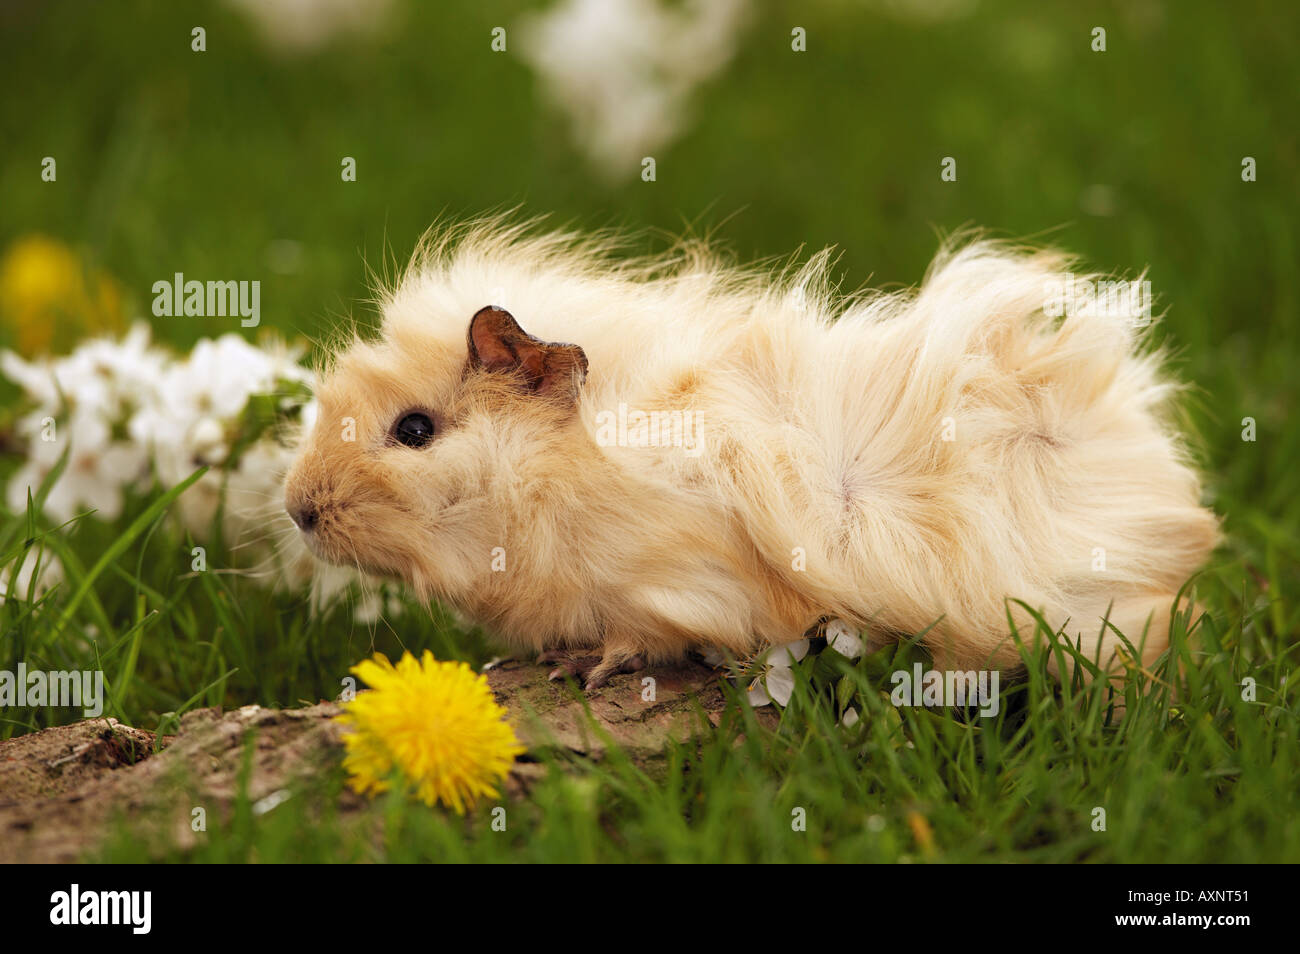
pixel 61 787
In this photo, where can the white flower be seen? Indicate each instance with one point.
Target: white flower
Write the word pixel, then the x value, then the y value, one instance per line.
pixel 96 472
pixel 175 414
pixel 624 70
pixel 33 377
pixel 200 399
pixel 301 26
pixel 844 639
pixel 101 376
pixel 775 683
pixel 82 400
pixel 121 409
pixel 377 602
pixel 216 381
pixel 208 437
pixel 307 416
pixel 51 572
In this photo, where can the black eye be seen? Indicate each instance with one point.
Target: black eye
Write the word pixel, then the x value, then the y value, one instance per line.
pixel 414 430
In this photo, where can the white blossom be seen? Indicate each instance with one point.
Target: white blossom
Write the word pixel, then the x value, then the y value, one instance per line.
pixel 775 682
pixel 844 639
pixel 126 412
pixel 49 573
pixel 624 70
pixel 301 26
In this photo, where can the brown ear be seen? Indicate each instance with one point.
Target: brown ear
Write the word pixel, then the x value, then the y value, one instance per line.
pixel 497 343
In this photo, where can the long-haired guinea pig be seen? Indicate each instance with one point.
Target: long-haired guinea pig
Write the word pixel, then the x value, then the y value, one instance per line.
pixel 619 461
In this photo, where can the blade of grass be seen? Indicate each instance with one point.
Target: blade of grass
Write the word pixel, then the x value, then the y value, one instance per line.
pixel 119 546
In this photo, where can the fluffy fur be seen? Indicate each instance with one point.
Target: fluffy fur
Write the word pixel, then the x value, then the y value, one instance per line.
pixel 825 487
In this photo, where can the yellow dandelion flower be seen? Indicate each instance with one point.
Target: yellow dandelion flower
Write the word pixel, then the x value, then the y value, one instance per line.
pixel 50 298
pixel 436 722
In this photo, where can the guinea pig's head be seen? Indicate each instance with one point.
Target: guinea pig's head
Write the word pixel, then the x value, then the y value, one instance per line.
pixel 426 448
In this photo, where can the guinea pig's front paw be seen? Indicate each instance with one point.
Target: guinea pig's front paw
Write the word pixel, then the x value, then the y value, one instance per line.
pixel 594 671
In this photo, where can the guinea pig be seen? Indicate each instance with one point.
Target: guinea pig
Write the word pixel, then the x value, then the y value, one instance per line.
pixel 613 461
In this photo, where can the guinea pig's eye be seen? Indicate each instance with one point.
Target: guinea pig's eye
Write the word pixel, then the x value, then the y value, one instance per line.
pixel 414 430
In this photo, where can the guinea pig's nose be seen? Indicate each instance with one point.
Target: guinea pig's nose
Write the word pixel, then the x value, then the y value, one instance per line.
pixel 305 516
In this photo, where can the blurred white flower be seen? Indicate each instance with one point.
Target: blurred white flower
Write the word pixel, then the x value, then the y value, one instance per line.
pixel 119 406
pixel 102 376
pixel 301 26
pixel 127 412
pixel 775 682
pixel 200 399
pixel 624 70
pixel 82 400
pixel 50 573
pixel 377 601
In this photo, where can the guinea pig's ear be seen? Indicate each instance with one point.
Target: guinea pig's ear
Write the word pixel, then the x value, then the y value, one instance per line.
pixel 497 343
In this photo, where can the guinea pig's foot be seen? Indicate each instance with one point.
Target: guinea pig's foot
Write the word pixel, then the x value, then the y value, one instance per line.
pixel 593 671
pixel 612 666
pixel 568 665
pixel 554 656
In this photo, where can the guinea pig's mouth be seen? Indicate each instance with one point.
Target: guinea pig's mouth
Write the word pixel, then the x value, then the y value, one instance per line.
pixel 317 548
pixel 335 554
pixel 315 525
pixel 329 544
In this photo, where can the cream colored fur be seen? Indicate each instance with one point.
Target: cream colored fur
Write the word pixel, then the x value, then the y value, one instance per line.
pixel 825 486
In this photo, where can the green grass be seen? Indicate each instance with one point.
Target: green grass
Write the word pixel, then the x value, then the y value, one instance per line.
pixel 175 161
pixel 1210 778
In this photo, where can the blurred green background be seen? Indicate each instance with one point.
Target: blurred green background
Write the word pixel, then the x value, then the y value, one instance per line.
pixel 226 163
